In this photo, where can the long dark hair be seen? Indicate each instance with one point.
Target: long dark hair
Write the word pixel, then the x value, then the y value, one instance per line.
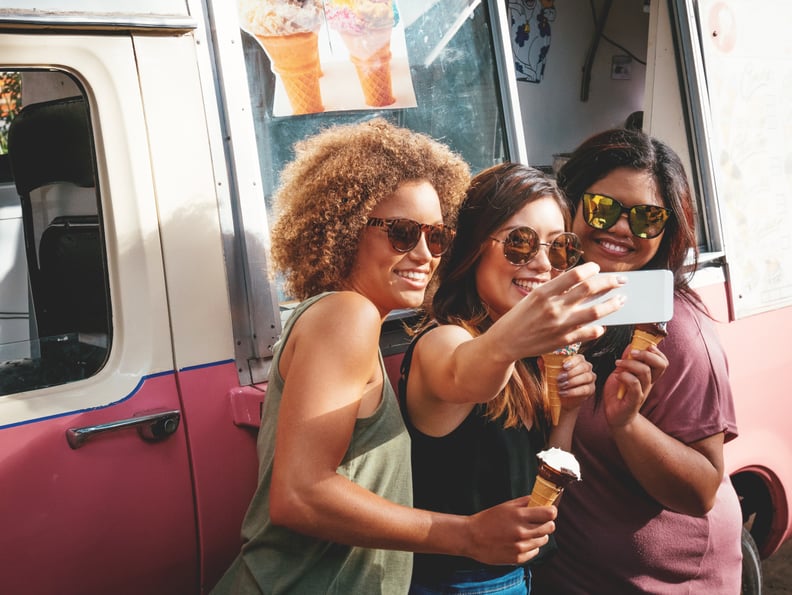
pixel 494 196
pixel 618 148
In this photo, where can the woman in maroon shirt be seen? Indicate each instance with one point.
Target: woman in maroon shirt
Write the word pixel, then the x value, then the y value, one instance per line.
pixel 655 512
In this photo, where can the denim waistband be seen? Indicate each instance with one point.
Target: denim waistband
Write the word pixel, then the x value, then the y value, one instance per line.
pixel 509 581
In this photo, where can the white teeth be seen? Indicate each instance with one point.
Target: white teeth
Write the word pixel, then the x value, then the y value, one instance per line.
pixel 412 275
pixel 523 284
pixel 614 247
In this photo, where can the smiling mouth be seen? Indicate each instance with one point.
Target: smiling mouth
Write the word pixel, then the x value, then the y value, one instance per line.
pixel 525 284
pixel 414 276
pixel 614 248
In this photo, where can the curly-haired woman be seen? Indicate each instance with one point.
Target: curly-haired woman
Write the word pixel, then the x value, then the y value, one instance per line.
pixel 364 214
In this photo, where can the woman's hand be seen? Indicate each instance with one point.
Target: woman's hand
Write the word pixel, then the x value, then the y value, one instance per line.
pixel 681 477
pixel 509 533
pixel 556 313
pixel 576 382
pixel 638 374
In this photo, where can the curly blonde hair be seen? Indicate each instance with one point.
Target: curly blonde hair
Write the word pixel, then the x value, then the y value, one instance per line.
pixel 337 177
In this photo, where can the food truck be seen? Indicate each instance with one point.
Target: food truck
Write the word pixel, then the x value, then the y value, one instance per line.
pixel 140 145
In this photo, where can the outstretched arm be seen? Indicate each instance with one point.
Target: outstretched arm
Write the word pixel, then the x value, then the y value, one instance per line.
pixel 328 384
pixel 452 370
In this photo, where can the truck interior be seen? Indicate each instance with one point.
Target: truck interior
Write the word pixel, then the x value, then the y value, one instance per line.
pixel 58 330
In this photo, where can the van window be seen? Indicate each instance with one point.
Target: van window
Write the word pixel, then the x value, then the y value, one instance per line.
pixel 54 301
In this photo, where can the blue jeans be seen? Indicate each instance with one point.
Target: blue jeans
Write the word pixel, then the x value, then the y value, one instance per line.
pixel 478 582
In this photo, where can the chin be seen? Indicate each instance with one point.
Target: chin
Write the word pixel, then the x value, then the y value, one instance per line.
pixel 608 265
pixel 412 301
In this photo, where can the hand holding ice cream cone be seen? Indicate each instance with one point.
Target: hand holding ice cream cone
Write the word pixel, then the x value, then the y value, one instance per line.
pixel 644 336
pixel 557 469
pixel 553 364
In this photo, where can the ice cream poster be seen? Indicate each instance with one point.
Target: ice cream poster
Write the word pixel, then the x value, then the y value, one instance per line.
pixel 529 22
pixel 332 55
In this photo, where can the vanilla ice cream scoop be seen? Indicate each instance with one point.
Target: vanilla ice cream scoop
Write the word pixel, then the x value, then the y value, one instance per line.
pixel 557 469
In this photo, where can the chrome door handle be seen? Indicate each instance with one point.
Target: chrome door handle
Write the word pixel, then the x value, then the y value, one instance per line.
pixel 151 428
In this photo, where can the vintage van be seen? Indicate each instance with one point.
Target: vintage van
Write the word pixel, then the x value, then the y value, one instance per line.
pixel 140 142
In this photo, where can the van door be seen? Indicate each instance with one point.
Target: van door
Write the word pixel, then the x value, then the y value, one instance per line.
pixel 97 490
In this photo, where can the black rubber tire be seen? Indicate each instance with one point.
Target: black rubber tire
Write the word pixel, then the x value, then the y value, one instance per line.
pixel 751 565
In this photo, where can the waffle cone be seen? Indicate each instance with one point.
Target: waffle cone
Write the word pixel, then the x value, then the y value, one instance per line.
pixel 641 340
pixel 295 59
pixel 371 55
pixel 553 364
pixel 549 486
pixel 545 493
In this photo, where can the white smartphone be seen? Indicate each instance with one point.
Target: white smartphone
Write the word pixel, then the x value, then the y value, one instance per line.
pixel 649 298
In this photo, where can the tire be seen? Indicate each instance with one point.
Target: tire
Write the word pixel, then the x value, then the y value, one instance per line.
pixel 751 565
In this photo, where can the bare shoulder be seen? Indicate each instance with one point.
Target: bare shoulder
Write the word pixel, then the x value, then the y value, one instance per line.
pixel 442 339
pixel 343 317
pixel 434 351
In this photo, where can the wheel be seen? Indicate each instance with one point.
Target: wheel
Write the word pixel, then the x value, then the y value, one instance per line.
pixel 751 565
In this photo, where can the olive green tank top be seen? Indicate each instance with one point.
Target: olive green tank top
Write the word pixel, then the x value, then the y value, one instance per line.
pixel 277 560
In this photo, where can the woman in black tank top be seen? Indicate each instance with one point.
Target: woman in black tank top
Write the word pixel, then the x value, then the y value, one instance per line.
pixel 471 387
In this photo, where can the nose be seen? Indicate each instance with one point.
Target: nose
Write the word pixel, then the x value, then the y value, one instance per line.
pixel 422 248
pixel 622 225
pixel 541 261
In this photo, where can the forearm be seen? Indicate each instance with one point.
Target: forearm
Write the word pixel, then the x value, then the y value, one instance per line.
pixel 676 475
pixel 473 371
pixel 338 510
pixel 561 435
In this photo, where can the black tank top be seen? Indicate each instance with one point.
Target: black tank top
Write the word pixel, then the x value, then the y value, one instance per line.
pixel 476 466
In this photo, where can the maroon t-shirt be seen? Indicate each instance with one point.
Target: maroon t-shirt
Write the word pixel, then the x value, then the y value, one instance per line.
pixel 615 538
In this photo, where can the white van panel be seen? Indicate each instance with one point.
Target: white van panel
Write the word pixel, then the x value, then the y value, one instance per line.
pixel 186 200
pixel 141 339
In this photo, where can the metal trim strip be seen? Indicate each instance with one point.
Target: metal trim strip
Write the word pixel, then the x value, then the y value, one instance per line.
pixel 39 19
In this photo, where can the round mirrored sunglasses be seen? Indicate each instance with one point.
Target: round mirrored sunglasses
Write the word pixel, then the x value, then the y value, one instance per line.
pixel 522 245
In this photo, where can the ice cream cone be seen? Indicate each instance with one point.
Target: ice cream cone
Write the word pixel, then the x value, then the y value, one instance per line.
pixel 295 59
pixel 545 492
pixel 371 55
pixel 557 469
pixel 553 364
pixel 644 336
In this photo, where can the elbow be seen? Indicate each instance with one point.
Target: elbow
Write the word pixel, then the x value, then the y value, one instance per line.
pixel 279 508
pixel 704 499
pixel 706 504
pixel 709 499
pixel 283 508
pixel 697 504
pixel 700 508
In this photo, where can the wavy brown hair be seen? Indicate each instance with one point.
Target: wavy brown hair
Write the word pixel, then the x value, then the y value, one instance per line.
pixel 337 177
pixel 494 196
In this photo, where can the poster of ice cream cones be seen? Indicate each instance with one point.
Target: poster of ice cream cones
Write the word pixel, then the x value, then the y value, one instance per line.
pixel 332 55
